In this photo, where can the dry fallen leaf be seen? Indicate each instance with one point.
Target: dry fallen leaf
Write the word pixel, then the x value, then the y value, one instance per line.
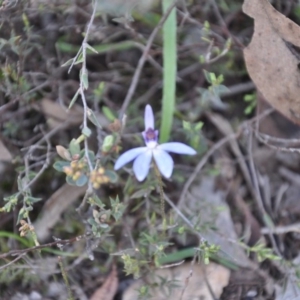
pixel 109 288
pixel 272 58
pixel 54 207
pixel 4 153
pixel 171 282
pixel 211 208
pixel 56 114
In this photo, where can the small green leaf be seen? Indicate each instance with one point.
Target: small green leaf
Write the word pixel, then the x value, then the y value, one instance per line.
pixel 92 117
pixel 86 131
pixel 30 200
pixel 91 48
pixel 84 79
pixel 22 214
pixel 20 183
pixel 74 99
pixel 141 193
pixel 199 126
pixel 70 181
pixel 108 143
pixel 82 180
pixel 207 76
pixel 113 177
pixel 99 90
pixel 206 96
pixel 70 61
pixel 103 225
pixel 220 89
pixel 201 59
pixel 186 125
pixel 92 221
pixel 91 155
pixel 74 147
pixel 108 113
pixel 95 200
pixel 117 208
pixel 268 221
pixel 59 165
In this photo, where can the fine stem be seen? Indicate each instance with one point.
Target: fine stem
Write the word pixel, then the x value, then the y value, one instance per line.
pixel 65 277
pixel 161 193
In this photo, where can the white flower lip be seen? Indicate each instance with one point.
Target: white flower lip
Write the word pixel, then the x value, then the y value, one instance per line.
pixel 142 156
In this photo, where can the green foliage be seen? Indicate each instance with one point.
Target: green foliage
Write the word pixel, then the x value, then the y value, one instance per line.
pixel 108 143
pixel 194 135
pixel 251 101
pixel 108 113
pixel 261 251
pixel 98 92
pixel 205 251
pixel 15 273
pixel 132 266
pixel 10 128
pixel 117 208
pixel 210 97
pixel 60 165
pixel 169 71
pixel 11 202
pixel 107 216
pixel 102 48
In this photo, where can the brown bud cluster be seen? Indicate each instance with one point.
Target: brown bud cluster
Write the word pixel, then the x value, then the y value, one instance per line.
pixel 75 169
pixel 97 177
pixel 25 228
pixel 115 126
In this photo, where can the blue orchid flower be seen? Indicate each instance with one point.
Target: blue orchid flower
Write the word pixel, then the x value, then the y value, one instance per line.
pixel 142 156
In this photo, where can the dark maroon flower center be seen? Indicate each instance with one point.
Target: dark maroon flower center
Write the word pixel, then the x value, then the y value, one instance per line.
pixel 150 135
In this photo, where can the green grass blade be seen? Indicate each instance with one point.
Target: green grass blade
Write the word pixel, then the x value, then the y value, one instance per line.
pixel 169 71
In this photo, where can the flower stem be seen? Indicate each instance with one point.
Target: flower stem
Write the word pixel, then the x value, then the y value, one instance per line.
pixel 161 193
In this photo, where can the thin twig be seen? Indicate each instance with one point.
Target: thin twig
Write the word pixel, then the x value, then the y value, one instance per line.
pixel 142 61
pixel 201 164
pixel 57 242
pixel 184 218
pixel 187 280
pixel 258 196
pixel 13 261
pixel 44 167
pixel 82 88
pixel 223 23
pixel 281 229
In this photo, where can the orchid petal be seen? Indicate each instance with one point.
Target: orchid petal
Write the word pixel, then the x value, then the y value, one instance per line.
pixel 141 165
pixel 176 147
pixel 128 156
pixel 164 162
pixel 149 117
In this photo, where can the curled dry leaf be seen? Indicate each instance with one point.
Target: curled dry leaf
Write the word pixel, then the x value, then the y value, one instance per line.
pixel 272 57
pixel 63 152
pixel 109 288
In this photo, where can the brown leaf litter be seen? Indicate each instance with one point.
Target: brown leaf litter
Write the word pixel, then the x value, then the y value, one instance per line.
pixel 109 288
pixel 272 58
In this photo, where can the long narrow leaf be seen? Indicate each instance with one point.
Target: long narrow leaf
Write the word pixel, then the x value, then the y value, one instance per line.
pixel 169 71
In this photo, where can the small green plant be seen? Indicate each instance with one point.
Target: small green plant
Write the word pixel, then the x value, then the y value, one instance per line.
pixel 210 97
pixel 261 251
pixel 194 135
pixel 251 101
